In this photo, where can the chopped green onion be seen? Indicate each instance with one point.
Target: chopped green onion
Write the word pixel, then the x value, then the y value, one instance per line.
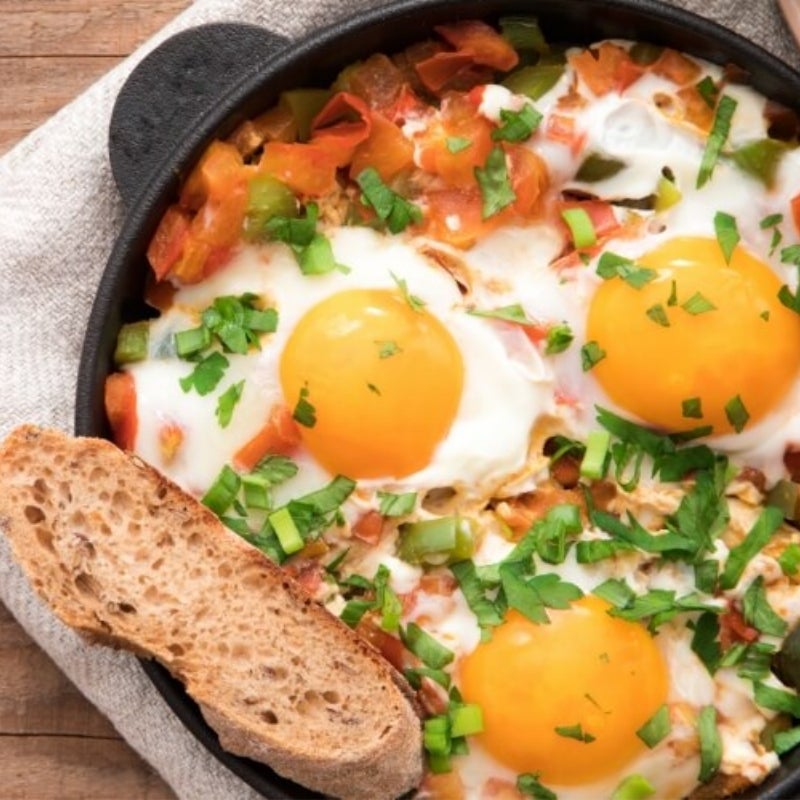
pixel 436 735
pixel 656 728
pixel 223 491
pixel 425 647
pixel 317 258
pixel 256 491
pixel 776 699
pixel 397 505
pixel 591 354
pixel 705 643
pixel 397 212
pixel 634 787
pixel 132 343
pixel 783 741
pixel 708 90
pixel 593 465
pixel 716 139
pixel 581 227
pixel 710 743
pixel 466 720
pixel 286 530
pixel 737 413
pixel 435 541
pixel 518 126
pixel 267 197
pixel 192 341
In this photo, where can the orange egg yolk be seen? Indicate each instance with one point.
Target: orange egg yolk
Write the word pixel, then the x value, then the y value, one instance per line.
pixel 748 345
pixel 384 380
pixel 585 668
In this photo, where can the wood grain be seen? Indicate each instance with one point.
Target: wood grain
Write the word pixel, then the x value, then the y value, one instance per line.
pixel 54 745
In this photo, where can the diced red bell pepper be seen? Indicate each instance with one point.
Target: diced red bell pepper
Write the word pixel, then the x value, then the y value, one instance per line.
pixel 307 168
pixel 121 410
pixel 167 245
pixel 481 41
pixel 606 69
pixel 279 436
pixel 219 168
pixel 368 527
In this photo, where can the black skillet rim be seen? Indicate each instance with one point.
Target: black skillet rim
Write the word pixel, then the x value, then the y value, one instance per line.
pixel 664 24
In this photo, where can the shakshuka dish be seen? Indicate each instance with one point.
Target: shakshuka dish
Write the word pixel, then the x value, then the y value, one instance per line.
pixel 494 344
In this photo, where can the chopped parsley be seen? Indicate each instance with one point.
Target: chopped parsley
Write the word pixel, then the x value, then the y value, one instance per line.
pixel 559 338
pixel 612 265
pixel 387 348
pixel 513 313
pixel 658 314
pixel 692 408
pixel 227 402
pixel 304 413
pixel 574 732
pixel 757 537
pixel 206 375
pixel 494 183
pixel 698 303
pixel 455 144
pixel 708 90
pixel 737 413
pixel 759 613
pixel 518 126
pixel 391 208
pixel 528 785
pixel 591 355
pixel 727 234
pixel 413 301
pixel 656 728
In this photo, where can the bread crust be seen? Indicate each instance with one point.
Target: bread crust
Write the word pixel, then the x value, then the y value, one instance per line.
pixel 124 556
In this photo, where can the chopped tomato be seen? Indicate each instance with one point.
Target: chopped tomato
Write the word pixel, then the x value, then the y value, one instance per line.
pixel 377 81
pixel 535 334
pixel 192 263
pixel 168 242
pixel 605 69
pixel 368 527
pixel 676 67
pixel 455 216
pixel 219 221
pixel 529 179
pixel 440 69
pixel 279 436
pixel 482 42
pixel 407 105
pixel 795 205
pixel 306 168
pixel 307 573
pixel 170 439
pixel 386 149
pixel 390 647
pixel 120 402
pixel 219 168
pixel 733 628
pixel 343 124
pixel 438 583
pixel 562 128
pixel 276 125
pixel 457 120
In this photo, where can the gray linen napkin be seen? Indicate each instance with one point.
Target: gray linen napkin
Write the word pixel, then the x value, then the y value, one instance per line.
pixel 59 214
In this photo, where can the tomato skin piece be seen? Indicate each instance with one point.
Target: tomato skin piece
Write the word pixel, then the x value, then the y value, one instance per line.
pixel 529 179
pixel 386 149
pixel 609 68
pixel 441 68
pixel 280 436
pixel 333 129
pixel 482 42
pixel 795 206
pixel 121 410
pixel 168 242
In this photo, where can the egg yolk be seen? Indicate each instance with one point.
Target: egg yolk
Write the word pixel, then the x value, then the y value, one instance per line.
pixel 585 668
pixel 701 329
pixel 384 380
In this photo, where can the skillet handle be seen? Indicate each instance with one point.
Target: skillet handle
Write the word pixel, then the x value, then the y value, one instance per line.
pixel 173 87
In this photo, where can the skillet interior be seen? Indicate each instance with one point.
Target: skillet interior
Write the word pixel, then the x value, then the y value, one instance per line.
pixel 315 62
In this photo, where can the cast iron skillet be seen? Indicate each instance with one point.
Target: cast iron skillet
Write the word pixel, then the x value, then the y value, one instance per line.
pixel 203 82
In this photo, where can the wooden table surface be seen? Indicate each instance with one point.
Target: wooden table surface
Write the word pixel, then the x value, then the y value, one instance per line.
pixel 53 743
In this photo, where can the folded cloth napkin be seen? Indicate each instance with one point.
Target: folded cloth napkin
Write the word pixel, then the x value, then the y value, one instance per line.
pixel 59 214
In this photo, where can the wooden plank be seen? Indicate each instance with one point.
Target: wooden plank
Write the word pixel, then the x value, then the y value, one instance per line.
pixel 53 742
pixel 35 88
pixel 78 27
pixel 46 768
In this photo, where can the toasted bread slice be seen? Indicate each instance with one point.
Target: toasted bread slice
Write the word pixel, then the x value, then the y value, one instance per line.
pixel 124 556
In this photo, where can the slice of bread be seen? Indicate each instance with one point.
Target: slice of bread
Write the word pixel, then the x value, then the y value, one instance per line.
pixel 127 558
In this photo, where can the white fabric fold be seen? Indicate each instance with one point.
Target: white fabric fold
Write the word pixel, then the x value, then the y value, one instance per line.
pixel 59 214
